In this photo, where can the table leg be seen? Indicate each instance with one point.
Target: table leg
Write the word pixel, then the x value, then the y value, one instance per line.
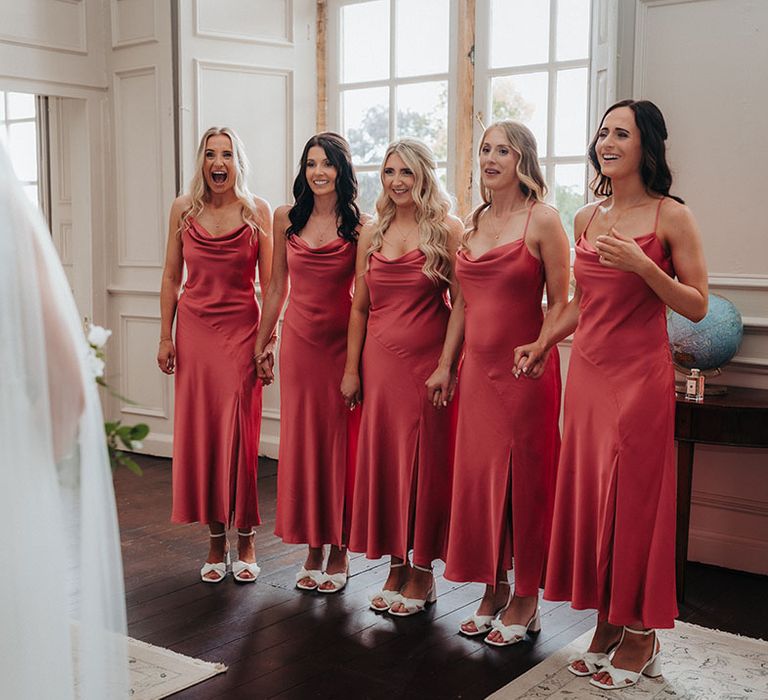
pixel 684 481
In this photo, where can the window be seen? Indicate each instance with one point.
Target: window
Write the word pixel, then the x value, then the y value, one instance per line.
pixel 18 132
pixel 389 78
pixel 389 64
pixel 533 66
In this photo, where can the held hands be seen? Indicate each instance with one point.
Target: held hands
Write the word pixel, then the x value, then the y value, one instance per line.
pixel 441 387
pixel 265 362
pixel 350 389
pixel 166 356
pixel 530 360
pixel 621 253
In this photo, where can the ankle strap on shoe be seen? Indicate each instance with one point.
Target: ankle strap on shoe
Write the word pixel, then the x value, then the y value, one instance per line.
pixel 421 568
pixel 394 565
pixel 644 633
pixel 246 534
pixel 217 534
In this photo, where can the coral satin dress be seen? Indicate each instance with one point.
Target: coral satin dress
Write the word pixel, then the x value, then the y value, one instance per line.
pixel 507 439
pixel 613 538
pixel 403 475
pixel 218 397
pixel 317 431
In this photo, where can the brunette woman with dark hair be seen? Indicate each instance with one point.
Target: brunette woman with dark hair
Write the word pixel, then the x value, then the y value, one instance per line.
pixel 638 251
pixel 315 246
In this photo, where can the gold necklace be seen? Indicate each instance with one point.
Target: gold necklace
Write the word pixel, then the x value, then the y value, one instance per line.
pixel 497 233
pixel 325 232
pixel 404 236
pixel 622 213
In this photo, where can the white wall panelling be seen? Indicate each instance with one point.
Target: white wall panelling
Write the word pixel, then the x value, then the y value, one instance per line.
pixel 259 21
pixel 64 27
pixel 139 167
pixel 134 22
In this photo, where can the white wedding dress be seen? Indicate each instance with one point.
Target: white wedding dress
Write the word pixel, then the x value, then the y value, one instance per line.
pixel 62 601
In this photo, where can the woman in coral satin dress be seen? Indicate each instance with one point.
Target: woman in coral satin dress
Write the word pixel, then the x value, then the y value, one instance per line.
pixel 507 438
pixel 400 313
pixel 613 538
pixel 315 246
pixel 222 233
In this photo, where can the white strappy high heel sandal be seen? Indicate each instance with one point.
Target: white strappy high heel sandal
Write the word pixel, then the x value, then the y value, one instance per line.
pixel 239 567
pixel 483 622
pixel 512 634
pixel 387 596
pixel 339 580
pixel 593 660
pixel 623 678
pixel 414 605
pixel 219 567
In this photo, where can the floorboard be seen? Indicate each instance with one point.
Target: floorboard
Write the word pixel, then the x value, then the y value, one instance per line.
pixel 283 643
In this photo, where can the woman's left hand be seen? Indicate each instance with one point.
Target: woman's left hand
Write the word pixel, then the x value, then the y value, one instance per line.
pixel 621 253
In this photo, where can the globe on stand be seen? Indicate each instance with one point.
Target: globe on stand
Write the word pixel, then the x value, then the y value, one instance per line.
pixel 709 344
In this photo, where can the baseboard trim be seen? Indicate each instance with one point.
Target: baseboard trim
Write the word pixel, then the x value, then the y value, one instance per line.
pixel 730 551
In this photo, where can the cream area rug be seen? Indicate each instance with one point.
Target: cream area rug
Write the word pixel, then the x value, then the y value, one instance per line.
pixel 698 663
pixel 157 673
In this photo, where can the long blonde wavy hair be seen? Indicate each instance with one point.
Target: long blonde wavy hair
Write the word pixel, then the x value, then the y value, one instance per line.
pixel 200 193
pixel 432 207
pixel 531 181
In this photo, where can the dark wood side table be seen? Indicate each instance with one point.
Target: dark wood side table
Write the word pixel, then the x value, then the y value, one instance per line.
pixel 738 418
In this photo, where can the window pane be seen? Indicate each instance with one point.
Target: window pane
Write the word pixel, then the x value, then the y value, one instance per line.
pixel 569 193
pixel 22 145
pixel 519 32
pixel 21 105
pixel 571 112
pixel 422 37
pixel 365 116
pixel 572 29
pixel 523 98
pixel 369 187
pixel 365 41
pixel 422 112
pixel 2 106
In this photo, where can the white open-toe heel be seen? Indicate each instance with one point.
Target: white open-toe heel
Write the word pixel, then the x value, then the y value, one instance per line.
pixel 219 567
pixel 239 567
pixel 339 580
pixel 512 634
pixel 593 660
pixel 414 605
pixel 482 622
pixel 387 596
pixel 621 677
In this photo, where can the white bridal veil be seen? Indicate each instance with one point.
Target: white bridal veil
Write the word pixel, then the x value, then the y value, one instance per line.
pixel 63 627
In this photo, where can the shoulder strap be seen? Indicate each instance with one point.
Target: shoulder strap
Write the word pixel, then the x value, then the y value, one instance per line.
pixel 528 220
pixel 658 212
pixel 589 223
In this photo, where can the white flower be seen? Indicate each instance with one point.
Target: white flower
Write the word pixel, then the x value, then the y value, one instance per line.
pixel 95 364
pixel 98 336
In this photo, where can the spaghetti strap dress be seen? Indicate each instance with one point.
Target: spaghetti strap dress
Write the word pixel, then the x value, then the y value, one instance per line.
pixel 613 539
pixel 317 432
pixel 404 457
pixel 507 439
pixel 217 416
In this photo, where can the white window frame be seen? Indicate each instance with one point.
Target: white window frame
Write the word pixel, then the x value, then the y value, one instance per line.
pixel 336 87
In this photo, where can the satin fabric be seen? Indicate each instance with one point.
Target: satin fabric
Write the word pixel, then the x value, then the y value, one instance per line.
pixel 218 397
pixel 613 540
pixel 404 457
pixel 318 433
pixel 508 439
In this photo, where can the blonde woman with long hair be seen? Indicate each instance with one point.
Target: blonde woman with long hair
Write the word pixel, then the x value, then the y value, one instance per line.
pixel 507 437
pixel 399 316
pixel 222 233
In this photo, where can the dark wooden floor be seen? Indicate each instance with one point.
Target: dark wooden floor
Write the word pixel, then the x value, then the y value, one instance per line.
pixel 281 642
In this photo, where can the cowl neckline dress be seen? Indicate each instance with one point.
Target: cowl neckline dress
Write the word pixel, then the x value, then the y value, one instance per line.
pixel 404 458
pixel 507 438
pixel 317 432
pixel 613 539
pixel 217 415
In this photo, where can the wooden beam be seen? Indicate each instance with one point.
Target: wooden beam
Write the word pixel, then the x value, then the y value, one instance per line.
pixel 321 122
pixel 465 97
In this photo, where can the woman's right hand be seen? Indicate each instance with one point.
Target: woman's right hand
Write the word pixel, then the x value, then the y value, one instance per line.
pixel 166 356
pixel 350 389
pixel 265 362
pixel 440 387
pixel 530 360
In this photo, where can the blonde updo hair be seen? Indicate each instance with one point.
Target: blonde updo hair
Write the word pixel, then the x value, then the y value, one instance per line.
pixel 432 208
pixel 200 192
pixel 522 141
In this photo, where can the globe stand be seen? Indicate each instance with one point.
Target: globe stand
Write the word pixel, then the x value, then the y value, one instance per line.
pixel 709 389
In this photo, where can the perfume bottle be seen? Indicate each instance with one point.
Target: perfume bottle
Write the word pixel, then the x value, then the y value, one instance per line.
pixel 694 386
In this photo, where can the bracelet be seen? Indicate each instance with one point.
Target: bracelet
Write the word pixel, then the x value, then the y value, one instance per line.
pixel 163 339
